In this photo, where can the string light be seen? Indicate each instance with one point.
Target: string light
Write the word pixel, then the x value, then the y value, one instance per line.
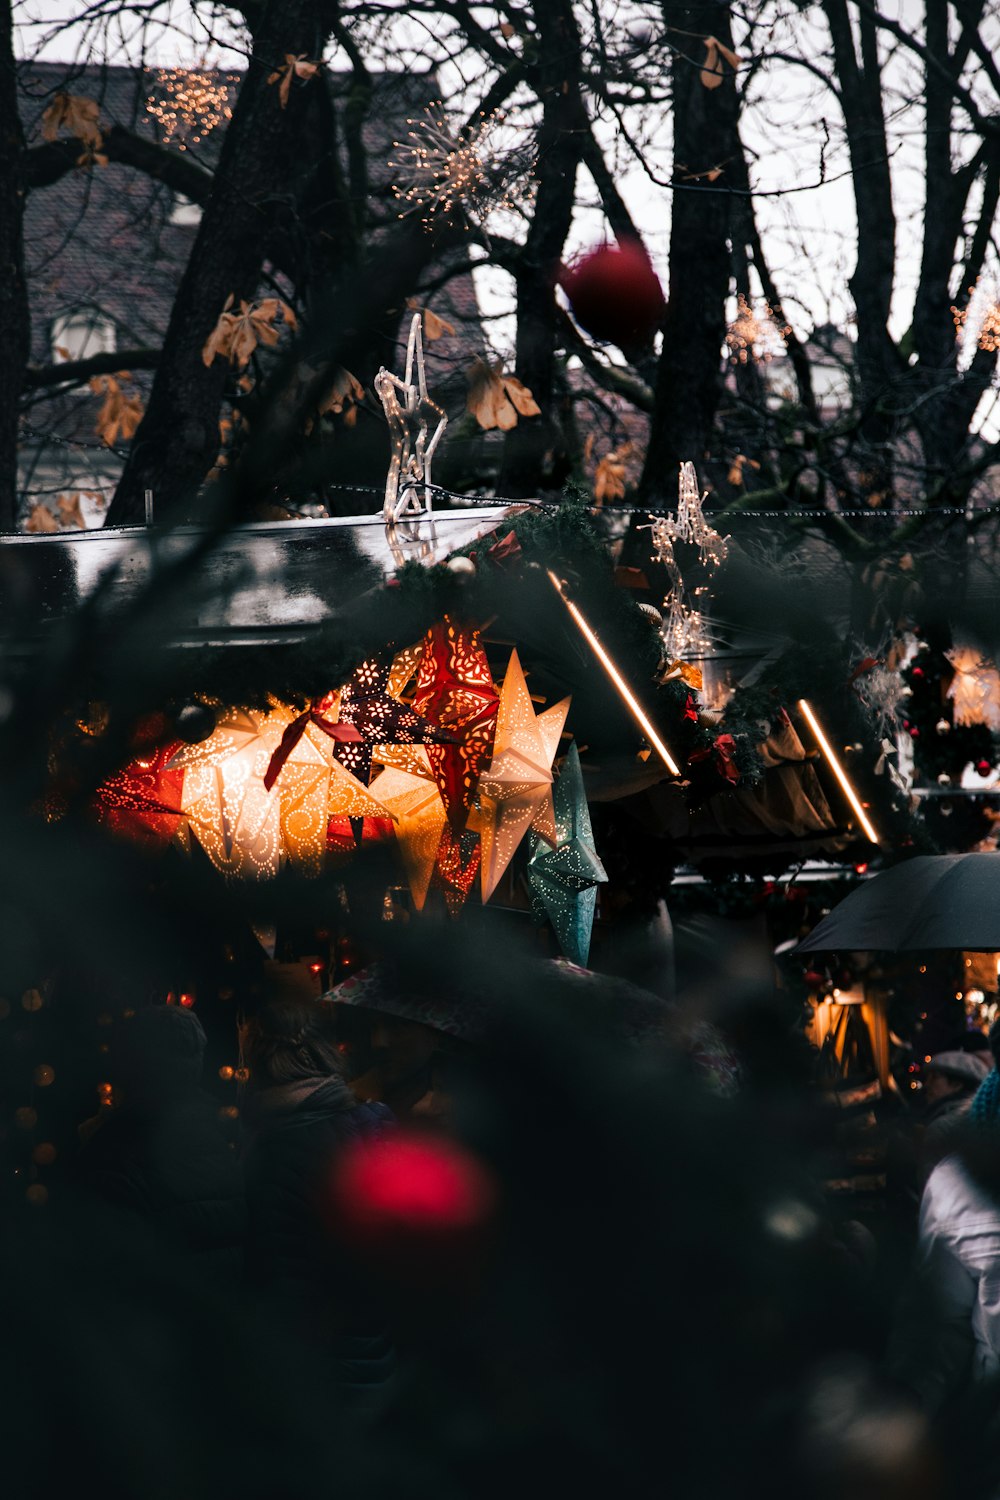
pixel 189 104
pixel 838 770
pixel 441 170
pixel 617 679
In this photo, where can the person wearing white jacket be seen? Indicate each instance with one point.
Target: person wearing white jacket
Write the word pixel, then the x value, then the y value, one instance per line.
pixel 947 1332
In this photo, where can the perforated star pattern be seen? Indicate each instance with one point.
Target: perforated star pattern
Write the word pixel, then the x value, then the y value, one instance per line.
pixel 515 789
pixel 456 691
pixel 563 880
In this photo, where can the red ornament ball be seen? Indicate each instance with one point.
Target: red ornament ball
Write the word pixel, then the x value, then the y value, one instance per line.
pixel 983 768
pixel 410 1190
pixel 615 294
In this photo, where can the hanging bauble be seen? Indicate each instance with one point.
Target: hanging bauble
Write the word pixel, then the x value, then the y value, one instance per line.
pixel 983 767
pixel 942 727
pixel 463 566
pixel 615 294
pixel 944 779
pixel 194 722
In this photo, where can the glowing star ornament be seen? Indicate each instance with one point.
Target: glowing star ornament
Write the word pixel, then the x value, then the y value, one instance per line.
pixel 142 801
pixel 415 803
pixel 564 880
pixel 456 691
pixel 247 828
pixel 410 413
pixel 685 632
pixel 378 719
pixel 515 790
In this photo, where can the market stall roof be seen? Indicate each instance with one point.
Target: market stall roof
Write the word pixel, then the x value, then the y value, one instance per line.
pixel 264 583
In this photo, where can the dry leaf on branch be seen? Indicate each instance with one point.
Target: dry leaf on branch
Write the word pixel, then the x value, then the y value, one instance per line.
pixel 294 67
pixel 121 411
pixel 711 70
pixel 237 334
pixel 735 475
pixel 40 519
pixel 609 476
pixel 341 398
pixel 70 514
pixel 434 327
pixel 496 399
pixel 76 114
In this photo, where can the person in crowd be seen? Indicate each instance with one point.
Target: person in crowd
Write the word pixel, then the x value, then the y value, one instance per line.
pixel 950 1082
pixel 300 1114
pixel 161 1154
pixel 947 1332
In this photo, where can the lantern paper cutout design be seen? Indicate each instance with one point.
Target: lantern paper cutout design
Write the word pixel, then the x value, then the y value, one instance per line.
pixel 515 790
pixel 245 828
pixel 456 691
pixel 143 800
pixel 367 706
pixel 564 880
pixel 415 803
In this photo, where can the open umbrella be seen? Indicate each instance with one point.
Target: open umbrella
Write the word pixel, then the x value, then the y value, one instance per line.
pixel 932 901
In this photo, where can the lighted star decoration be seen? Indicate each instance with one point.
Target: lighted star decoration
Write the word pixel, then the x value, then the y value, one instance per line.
pixel 415 802
pixel 379 717
pixel 564 880
pixel 247 829
pixel 410 413
pixel 515 790
pixel 456 691
pixel 684 631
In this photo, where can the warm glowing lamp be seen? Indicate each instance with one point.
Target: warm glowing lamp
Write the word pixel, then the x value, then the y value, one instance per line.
pixel 617 679
pixel 838 771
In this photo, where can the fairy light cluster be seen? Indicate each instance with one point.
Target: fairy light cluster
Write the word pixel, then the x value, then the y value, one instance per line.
pixel 440 170
pixel 977 324
pixel 755 335
pixel 188 104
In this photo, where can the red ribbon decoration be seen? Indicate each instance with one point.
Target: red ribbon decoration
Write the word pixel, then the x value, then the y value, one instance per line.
pixel 346 733
pixel 507 549
pixel 722 748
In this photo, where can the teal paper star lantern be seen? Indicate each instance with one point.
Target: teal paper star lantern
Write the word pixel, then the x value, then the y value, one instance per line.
pixel 564 880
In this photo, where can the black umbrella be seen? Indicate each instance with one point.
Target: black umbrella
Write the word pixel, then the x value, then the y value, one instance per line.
pixel 932 901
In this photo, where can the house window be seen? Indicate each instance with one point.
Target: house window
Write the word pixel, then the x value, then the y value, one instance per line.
pixel 184 211
pixel 79 335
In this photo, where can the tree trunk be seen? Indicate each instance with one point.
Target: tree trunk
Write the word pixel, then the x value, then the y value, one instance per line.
pixel 689 373
pixel 14 316
pixel 534 451
pixel 178 439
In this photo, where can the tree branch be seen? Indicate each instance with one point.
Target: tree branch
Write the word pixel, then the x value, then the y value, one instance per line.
pixel 78 371
pixel 46 164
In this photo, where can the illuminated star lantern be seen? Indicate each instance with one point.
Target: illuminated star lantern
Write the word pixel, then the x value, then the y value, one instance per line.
pixel 415 803
pixel 379 718
pixel 515 790
pixel 246 828
pixel 564 880
pixel 143 799
pixel 410 413
pixel 456 691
